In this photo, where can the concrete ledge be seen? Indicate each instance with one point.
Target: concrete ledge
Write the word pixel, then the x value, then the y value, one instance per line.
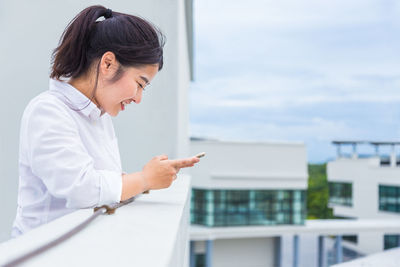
pixel 319 227
pixel 388 258
pixel 151 231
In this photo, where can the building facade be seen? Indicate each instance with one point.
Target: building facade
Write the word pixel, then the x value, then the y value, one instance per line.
pixel 242 185
pixel 366 186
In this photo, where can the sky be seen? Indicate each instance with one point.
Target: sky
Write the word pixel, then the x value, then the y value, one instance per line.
pixel 311 71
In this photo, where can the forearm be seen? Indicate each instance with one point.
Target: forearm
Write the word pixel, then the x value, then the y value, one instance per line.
pixel 132 185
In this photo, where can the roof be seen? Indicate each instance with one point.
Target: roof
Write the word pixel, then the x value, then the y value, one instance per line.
pixel 359 142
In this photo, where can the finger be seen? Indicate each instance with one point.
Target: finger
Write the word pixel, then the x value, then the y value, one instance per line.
pixel 162 157
pixel 183 163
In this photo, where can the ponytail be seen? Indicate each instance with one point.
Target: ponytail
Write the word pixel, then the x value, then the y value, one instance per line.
pixel 133 40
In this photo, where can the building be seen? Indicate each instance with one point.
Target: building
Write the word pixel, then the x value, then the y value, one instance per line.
pixel 366 186
pixel 237 187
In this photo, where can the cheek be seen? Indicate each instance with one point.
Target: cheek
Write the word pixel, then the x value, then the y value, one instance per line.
pixel 129 91
pixel 110 98
pixel 125 88
pixel 117 94
pixel 121 90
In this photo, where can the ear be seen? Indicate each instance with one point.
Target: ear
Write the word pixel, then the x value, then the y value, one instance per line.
pixel 108 64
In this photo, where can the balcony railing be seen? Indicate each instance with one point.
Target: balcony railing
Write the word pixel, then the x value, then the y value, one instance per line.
pixel 151 231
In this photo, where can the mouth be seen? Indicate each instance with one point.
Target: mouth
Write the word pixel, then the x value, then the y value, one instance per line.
pixel 124 103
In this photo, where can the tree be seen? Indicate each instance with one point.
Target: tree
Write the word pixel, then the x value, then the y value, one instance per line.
pixel 318 193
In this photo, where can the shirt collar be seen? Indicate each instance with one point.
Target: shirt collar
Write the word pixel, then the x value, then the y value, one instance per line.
pixel 75 99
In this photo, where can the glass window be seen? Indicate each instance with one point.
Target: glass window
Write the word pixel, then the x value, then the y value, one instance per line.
pixel 389 198
pixel 391 241
pixel 351 238
pixel 247 207
pixel 341 193
pixel 200 260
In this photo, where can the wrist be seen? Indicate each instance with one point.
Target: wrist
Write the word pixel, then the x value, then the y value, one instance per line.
pixel 144 182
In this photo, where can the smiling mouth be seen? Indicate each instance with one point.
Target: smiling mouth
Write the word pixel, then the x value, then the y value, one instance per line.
pixel 124 103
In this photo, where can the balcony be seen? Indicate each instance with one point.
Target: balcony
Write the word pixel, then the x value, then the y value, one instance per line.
pixel 151 231
pixel 384 160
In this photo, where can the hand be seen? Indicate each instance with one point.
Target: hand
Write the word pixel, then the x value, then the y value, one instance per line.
pixel 160 172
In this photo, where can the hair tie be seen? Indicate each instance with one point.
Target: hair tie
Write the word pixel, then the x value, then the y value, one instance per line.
pixel 108 13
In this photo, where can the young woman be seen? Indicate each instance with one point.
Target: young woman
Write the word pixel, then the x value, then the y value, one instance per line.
pixel 69 157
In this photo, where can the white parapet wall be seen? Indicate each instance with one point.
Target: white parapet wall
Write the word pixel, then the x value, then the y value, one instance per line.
pixel 389 258
pixel 317 227
pixel 151 231
pixel 249 165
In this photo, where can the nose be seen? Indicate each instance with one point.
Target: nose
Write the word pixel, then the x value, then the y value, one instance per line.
pixel 138 96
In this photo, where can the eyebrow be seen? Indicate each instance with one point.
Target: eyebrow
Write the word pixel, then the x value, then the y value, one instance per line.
pixel 144 79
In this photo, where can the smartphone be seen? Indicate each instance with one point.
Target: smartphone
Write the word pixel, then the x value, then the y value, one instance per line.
pixel 200 155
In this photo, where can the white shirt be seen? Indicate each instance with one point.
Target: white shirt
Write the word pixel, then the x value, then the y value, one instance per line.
pixel 68 157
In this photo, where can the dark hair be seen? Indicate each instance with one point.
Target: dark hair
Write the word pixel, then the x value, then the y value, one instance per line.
pixel 134 41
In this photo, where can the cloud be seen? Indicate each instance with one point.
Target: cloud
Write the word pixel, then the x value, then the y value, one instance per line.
pixel 334 36
pixel 290 14
pixel 298 70
pixel 277 92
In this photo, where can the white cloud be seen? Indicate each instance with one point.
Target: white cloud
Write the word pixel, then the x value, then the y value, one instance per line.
pixel 276 92
pixel 290 13
pixel 279 58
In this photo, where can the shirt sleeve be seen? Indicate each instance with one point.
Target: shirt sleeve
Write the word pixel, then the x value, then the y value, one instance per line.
pixel 57 156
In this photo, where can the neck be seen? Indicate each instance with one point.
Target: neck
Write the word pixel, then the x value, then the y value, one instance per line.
pixel 86 87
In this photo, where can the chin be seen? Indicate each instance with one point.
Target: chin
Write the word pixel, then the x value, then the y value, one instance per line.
pixel 112 113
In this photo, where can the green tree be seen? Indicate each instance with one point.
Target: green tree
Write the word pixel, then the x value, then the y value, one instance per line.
pixel 318 193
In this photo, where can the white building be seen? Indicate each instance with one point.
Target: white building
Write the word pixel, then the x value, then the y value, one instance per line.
pixel 241 191
pixel 366 187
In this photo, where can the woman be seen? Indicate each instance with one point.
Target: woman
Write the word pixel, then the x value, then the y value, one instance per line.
pixel 69 157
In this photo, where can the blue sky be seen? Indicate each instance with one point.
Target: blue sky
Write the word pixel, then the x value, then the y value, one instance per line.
pixel 311 71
